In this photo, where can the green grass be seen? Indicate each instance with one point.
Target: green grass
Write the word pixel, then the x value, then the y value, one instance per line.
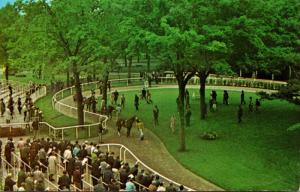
pixel 57 119
pixel 52 116
pixel 257 154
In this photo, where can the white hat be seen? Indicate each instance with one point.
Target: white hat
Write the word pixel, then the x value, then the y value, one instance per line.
pixel 130 176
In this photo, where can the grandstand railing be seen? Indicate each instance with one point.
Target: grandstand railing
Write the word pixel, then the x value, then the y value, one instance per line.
pixel 14 170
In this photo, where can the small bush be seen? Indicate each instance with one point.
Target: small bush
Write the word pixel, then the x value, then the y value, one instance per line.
pixel 209 135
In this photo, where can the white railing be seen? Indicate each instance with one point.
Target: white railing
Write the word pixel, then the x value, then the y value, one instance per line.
pixel 89 117
pixel 126 155
pixel 14 168
pixel 230 81
pixel 124 152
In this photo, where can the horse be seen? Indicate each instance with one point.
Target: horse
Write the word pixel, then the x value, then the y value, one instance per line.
pixel 88 103
pixel 125 123
pixel 110 110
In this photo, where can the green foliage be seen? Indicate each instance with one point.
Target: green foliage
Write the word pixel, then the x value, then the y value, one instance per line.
pixel 294 127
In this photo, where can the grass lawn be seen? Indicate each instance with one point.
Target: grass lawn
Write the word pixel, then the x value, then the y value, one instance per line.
pixel 257 154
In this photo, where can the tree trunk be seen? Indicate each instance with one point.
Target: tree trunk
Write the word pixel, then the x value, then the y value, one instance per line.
pixel 181 87
pixel 202 96
pixel 79 97
pixel 290 72
pixel 40 72
pixel 148 62
pixel 104 91
pixel 129 67
pixel 125 60
pixel 68 78
pixel 6 71
pixel 94 73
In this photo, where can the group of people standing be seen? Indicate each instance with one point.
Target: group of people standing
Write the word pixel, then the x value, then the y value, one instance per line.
pixel 108 172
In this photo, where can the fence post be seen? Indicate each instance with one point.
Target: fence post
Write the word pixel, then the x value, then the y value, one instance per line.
pixel 124 155
pixel 89 130
pixel 121 152
pixel 76 132
pixel 62 134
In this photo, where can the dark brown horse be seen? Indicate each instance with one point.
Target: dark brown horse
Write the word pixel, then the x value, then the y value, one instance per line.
pixel 125 123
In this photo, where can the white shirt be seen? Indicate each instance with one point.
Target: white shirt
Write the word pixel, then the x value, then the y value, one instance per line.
pixel 67 154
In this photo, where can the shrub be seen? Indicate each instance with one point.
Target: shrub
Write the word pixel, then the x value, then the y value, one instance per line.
pixel 209 135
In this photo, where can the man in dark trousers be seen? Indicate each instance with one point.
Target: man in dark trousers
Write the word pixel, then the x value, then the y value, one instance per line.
pixel 243 98
pixel 188 115
pixel 214 95
pixel 240 113
pixel 19 102
pixel 155 115
pixel 225 97
pixel 144 93
pixel 257 105
pixel 116 96
pixel 136 102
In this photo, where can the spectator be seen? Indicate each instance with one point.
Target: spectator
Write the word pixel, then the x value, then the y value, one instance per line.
pixel 171 188
pixel 129 184
pixel 64 181
pixel 2 107
pixel 161 187
pixel 9 183
pixel 52 162
pixel 99 187
pixel 21 176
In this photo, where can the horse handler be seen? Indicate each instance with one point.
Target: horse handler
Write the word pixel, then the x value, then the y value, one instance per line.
pixel 140 126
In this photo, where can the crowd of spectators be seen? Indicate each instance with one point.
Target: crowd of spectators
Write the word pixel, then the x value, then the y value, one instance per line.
pixel 40 158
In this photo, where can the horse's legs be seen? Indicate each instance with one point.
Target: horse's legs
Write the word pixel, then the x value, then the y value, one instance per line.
pixel 119 131
pixel 128 131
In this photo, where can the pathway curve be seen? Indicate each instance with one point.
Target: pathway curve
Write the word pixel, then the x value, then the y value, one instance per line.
pixel 153 152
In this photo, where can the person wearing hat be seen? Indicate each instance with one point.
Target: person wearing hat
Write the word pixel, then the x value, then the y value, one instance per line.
pixel 9 183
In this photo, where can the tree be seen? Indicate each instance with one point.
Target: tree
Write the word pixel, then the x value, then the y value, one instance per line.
pixel 171 41
pixel 8 16
pixel 74 29
pixel 209 52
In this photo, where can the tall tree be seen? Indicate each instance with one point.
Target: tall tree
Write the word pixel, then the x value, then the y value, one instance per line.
pixel 171 41
pixel 8 16
pixel 74 29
